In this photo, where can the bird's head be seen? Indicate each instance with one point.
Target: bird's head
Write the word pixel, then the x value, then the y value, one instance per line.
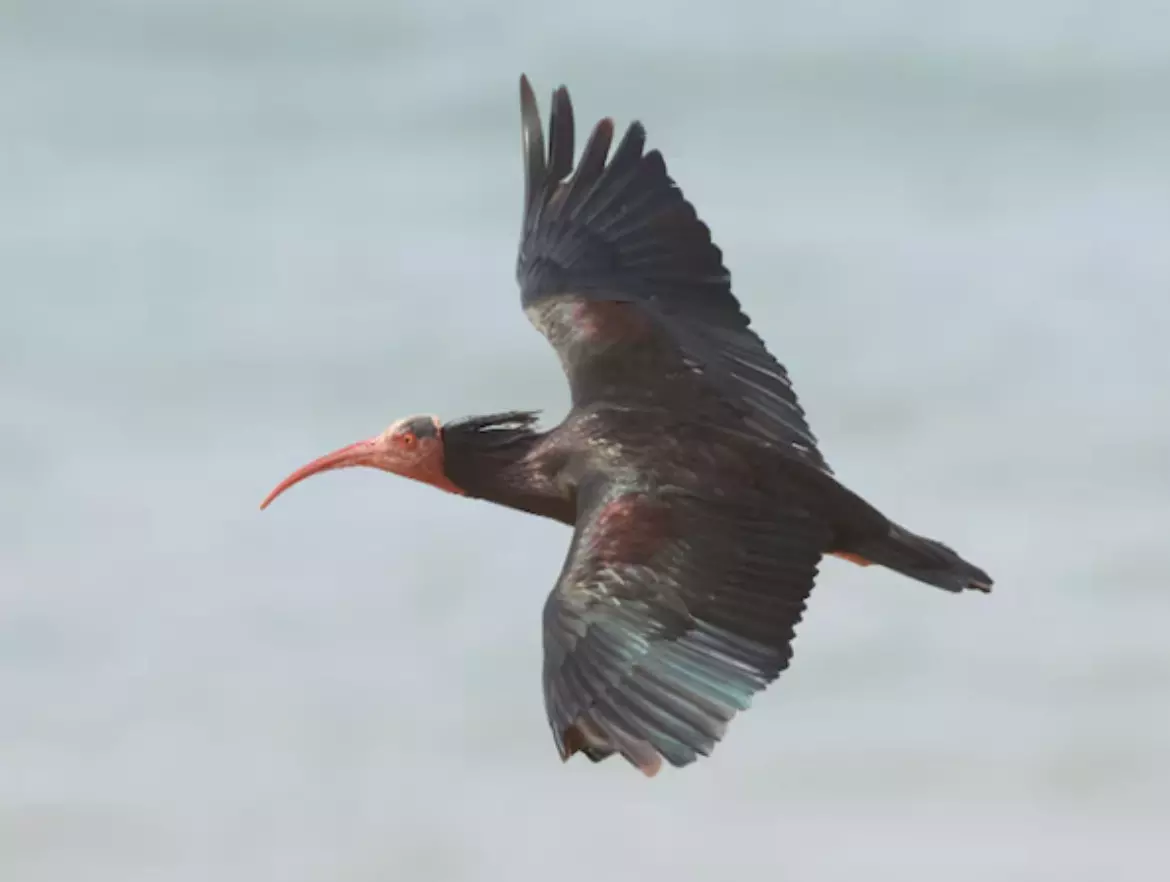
pixel 411 447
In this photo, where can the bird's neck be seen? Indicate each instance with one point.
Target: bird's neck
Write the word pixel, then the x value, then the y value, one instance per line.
pixel 516 468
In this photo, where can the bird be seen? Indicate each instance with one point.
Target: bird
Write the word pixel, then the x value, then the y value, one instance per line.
pixel 700 502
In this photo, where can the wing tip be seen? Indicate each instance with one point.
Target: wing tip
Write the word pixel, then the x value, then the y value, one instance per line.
pixel 561 136
pixel 531 140
pixel 652 767
pixel 574 742
pixel 527 96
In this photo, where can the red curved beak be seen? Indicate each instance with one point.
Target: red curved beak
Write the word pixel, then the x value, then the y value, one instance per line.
pixel 359 454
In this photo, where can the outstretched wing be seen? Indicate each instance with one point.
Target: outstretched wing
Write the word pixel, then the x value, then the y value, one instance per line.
pixel 618 272
pixel 670 613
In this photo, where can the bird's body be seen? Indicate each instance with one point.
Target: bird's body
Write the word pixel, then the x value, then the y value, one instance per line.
pixel 700 502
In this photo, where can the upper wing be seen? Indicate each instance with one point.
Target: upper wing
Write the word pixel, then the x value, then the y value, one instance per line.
pixel 670 613
pixel 617 270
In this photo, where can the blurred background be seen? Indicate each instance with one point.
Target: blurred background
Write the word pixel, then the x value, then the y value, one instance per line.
pixel 236 235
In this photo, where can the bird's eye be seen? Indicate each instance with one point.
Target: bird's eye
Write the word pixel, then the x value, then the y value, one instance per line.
pixel 407 439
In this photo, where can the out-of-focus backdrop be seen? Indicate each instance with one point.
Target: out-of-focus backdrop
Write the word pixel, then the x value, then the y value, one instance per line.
pixel 234 235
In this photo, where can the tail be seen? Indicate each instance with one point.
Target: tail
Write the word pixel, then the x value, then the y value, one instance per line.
pixel 926 560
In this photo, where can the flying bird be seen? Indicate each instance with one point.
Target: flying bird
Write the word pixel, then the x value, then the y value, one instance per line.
pixel 700 502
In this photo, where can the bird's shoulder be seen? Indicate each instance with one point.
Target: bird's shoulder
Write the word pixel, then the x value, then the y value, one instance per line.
pixel 646 448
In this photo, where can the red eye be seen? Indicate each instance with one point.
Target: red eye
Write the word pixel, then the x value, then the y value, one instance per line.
pixel 407 439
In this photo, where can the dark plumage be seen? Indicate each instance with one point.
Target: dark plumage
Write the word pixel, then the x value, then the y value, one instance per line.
pixel 700 500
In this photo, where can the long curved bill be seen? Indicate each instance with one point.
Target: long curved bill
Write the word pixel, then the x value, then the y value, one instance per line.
pixel 358 454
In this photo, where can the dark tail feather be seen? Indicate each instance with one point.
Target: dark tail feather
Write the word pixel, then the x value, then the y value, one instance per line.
pixel 926 560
